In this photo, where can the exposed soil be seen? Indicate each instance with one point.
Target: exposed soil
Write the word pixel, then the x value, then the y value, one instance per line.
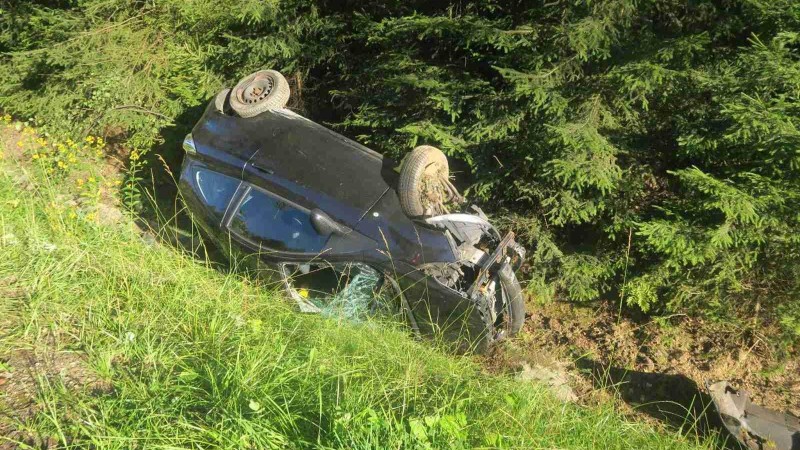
pixel 25 371
pixel 659 367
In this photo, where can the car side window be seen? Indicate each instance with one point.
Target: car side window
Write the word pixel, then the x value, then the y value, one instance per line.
pixel 276 224
pixel 215 189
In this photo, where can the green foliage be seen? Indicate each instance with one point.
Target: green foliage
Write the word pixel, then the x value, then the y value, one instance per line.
pixel 675 123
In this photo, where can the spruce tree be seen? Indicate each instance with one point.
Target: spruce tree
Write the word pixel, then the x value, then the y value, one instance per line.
pixel 647 150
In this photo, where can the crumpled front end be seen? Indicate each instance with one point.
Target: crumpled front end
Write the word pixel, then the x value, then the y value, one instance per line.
pixel 483 271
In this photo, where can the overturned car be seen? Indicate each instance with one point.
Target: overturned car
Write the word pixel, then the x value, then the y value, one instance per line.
pixel 323 211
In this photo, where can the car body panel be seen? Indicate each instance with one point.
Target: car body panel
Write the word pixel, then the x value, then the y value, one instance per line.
pixel 402 238
pixel 441 310
pixel 314 167
pixel 221 139
pixel 320 172
pixel 753 425
pixel 286 152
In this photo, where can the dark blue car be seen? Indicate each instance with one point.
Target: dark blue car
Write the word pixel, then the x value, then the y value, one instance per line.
pixel 323 211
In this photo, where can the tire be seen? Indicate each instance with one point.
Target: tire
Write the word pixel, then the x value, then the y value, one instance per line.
pixel 221 100
pixel 258 92
pixel 411 189
pixel 516 302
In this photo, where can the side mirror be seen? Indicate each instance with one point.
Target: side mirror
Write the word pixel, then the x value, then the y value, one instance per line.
pixel 325 225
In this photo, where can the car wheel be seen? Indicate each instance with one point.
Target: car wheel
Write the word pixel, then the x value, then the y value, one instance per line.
pixel 423 178
pixel 258 92
pixel 515 301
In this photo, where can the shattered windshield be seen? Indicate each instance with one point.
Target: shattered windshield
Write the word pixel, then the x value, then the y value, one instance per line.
pixel 351 291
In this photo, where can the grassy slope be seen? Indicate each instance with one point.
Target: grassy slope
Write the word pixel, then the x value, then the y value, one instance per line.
pixel 174 353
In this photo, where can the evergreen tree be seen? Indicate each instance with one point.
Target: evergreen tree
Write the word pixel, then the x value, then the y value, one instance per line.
pixel 644 149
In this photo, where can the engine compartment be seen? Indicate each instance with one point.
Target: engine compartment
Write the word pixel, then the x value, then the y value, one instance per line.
pixel 481 253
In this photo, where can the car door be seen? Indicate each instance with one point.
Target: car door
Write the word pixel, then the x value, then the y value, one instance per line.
pixel 276 229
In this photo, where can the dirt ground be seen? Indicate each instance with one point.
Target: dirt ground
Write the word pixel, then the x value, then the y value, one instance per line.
pixel 31 366
pixel 27 372
pixel 658 366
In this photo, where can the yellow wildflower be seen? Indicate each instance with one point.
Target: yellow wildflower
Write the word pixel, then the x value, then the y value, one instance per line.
pixel 61 165
pixel 20 144
pixel 35 156
pixel 90 139
pixel 2 155
pixel 79 181
pixel 92 179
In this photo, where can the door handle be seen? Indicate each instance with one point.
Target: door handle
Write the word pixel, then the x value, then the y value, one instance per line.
pixel 325 225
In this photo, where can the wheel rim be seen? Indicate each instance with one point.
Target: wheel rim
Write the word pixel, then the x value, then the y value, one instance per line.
pixel 256 90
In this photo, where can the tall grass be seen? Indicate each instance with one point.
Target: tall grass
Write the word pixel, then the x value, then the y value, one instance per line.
pixel 191 356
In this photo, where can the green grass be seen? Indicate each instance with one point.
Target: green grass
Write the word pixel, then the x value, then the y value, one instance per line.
pixel 189 356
